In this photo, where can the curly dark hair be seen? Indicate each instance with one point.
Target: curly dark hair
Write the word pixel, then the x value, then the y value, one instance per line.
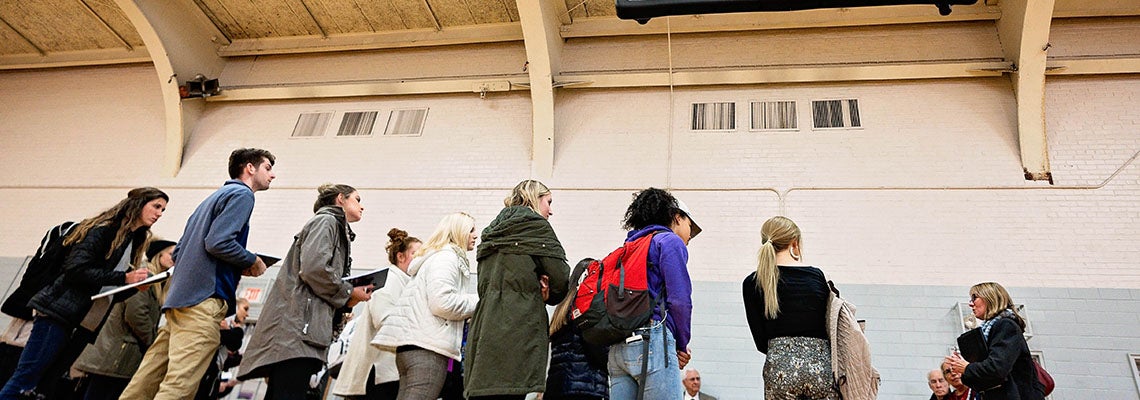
pixel 398 242
pixel 651 206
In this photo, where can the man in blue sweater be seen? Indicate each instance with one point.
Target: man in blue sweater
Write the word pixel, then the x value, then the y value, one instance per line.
pixel 208 262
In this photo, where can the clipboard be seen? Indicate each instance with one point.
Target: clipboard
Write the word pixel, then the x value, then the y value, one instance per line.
pixel 376 278
pixel 159 277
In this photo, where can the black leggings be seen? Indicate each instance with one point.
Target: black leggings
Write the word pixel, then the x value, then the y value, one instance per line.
pixel 289 379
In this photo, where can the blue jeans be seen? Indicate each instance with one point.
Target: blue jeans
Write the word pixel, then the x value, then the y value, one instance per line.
pixel 663 380
pixel 45 342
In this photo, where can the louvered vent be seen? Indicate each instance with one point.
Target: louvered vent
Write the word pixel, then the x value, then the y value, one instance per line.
pixel 835 114
pixel 357 123
pixel 773 115
pixel 409 122
pixel 312 124
pixel 714 116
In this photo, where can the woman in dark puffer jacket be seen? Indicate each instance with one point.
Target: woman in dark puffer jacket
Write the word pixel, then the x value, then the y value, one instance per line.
pixel 103 252
pixel 577 369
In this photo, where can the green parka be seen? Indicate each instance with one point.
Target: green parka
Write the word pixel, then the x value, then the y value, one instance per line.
pixel 507 345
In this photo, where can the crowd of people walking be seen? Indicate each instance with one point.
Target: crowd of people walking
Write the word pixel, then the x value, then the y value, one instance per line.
pixel 433 324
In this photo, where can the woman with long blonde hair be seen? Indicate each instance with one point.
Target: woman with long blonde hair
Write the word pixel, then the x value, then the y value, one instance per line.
pixel 786 304
pixel 426 327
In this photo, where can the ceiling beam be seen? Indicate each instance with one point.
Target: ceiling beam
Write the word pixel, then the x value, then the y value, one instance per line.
pixel 1094 66
pixel 75 58
pixel 181 46
pixel 483 33
pixel 822 18
pixel 801 74
pixel 1024 33
pixel 540 25
pixel 755 76
pixel 475 85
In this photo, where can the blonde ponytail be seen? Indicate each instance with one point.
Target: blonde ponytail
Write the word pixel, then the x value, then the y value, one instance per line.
pixel 777 234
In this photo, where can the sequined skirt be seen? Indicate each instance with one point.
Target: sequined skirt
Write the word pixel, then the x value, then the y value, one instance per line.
pixel 798 368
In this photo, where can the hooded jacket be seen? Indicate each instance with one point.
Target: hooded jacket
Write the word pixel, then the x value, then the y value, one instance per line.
pixel 435 303
pixel 508 346
pixel 297 318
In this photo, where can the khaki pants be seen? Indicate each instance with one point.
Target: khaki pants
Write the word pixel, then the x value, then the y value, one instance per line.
pixel 173 372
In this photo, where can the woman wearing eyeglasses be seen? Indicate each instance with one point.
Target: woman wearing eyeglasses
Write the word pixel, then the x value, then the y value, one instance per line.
pixel 1002 368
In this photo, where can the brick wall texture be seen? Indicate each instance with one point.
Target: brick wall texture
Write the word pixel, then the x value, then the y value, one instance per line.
pixel 925 199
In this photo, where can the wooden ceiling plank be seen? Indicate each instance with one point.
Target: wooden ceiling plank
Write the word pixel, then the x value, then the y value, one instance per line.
pixel 223 19
pixel 118 21
pixel 339 16
pixel 488 11
pixel 434 16
pixel 285 18
pixel 363 15
pixel 577 8
pixel 267 13
pixel 600 8
pixel 452 13
pixel 106 25
pixel 381 16
pixel 22 36
pixel 245 12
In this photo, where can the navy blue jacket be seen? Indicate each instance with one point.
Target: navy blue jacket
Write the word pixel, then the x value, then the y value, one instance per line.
pixel 577 369
pixel 211 254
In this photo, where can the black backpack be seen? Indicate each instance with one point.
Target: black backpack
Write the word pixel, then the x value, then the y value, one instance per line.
pixel 42 270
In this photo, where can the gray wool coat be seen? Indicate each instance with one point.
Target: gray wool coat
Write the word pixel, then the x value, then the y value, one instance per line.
pixel 297 318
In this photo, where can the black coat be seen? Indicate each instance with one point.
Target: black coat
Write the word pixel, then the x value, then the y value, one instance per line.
pixel 86 269
pixel 1006 372
pixel 577 368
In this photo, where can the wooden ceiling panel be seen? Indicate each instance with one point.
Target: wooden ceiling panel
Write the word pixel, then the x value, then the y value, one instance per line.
pixel 414 13
pixel 288 17
pixel 249 17
pixel 577 8
pixel 382 15
pixel 340 16
pixel 58 25
pixel 513 8
pixel 221 17
pixel 452 12
pixel 600 8
pixel 12 43
pixel 113 15
pixel 489 11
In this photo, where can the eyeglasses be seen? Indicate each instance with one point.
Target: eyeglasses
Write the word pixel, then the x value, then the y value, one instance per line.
pixel 947 371
pixel 973 297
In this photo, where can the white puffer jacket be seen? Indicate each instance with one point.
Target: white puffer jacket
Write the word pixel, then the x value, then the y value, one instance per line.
pixel 431 311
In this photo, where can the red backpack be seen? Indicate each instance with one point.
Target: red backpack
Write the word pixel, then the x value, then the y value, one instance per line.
pixel 613 298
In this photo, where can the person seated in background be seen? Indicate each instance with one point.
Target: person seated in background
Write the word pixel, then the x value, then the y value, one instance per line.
pixel 938 385
pixel 692 384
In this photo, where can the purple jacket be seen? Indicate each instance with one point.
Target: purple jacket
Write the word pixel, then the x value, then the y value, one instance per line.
pixel 670 256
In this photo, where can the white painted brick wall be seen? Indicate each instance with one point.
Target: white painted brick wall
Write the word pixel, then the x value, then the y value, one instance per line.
pixel 928 134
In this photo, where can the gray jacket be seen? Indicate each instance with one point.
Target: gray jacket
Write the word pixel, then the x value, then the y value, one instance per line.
pixel 297 319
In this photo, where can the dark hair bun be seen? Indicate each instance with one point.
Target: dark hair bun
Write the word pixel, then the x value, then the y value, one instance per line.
pixel 397 234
